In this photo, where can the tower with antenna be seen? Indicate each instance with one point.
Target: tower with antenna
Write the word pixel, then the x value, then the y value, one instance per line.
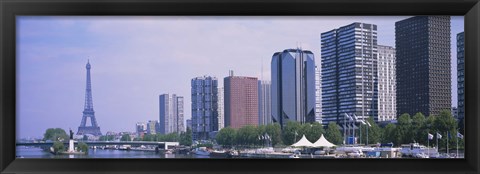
pixel 88 112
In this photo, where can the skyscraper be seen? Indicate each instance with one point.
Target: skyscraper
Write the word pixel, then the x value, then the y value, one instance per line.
pixel 423 65
pixel 349 72
pixel 221 109
pixel 264 102
pixel 171 113
pixel 293 86
pixel 241 101
pixel 318 95
pixel 461 74
pixel 387 95
pixel 204 107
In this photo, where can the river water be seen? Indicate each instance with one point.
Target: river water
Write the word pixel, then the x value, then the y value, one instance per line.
pixel 34 152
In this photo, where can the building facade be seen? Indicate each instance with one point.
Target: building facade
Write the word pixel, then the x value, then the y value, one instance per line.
pixel 221 109
pixel 140 129
pixel 171 113
pixel 264 102
pixel 241 101
pixel 461 75
pixel 189 124
pixel 387 88
pixel 318 95
pixel 293 86
pixel 153 127
pixel 204 107
pixel 349 72
pixel 423 65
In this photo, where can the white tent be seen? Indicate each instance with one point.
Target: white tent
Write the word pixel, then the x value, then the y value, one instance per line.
pixel 303 142
pixel 322 142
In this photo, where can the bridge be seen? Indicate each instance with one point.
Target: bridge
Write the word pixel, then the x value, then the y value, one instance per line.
pixel 160 145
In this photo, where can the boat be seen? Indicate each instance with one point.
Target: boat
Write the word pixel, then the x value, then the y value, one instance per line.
pixel 201 151
pixel 418 151
pixel 265 150
pixel 296 154
pixel 218 154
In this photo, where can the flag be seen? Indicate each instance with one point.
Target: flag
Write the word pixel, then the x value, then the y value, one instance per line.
pixel 369 125
pixel 430 136
pixel 449 136
pixel 355 117
pixel 439 136
pixel 459 135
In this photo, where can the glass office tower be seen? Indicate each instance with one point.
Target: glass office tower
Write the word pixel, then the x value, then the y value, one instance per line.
pixel 293 86
pixel 204 107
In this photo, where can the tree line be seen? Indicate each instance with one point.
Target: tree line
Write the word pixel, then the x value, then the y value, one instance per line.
pixel 408 129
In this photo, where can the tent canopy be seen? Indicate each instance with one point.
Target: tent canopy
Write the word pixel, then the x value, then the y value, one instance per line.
pixel 303 142
pixel 322 142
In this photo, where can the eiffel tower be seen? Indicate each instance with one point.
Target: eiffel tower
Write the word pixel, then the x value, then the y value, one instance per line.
pixel 88 111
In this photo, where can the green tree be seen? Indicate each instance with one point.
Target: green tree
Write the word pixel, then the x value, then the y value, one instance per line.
pixel 85 138
pixel 388 135
pixel 107 138
pixel 314 132
pixel 186 137
pixel 125 137
pixel 55 134
pixel 445 123
pixel 58 147
pixel 226 137
pixel 291 132
pixel 149 137
pixel 418 128
pixel 261 130
pixel 403 132
pixel 374 132
pixel 333 133
pixel 274 131
pixel 246 135
pixel 83 147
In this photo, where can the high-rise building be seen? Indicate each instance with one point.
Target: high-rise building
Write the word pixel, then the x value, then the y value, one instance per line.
pixel 387 95
pixel 140 128
pixel 221 110
pixel 153 127
pixel 241 101
pixel 461 74
pixel 455 112
pixel 264 102
pixel 293 86
pixel 171 113
pixel 189 124
pixel 423 65
pixel 349 72
pixel 318 95
pixel 204 107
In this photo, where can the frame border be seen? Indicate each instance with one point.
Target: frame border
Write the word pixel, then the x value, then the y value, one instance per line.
pixel 11 8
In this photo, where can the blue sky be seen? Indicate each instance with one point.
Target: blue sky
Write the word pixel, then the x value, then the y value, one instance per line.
pixel 135 59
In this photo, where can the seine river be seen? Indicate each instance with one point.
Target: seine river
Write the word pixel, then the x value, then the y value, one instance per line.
pixel 34 152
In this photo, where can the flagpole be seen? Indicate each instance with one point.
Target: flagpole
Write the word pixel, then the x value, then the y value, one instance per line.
pixel 457 146
pixel 448 134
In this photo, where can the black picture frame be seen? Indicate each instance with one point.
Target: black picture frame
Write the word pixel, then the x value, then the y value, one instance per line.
pixel 11 8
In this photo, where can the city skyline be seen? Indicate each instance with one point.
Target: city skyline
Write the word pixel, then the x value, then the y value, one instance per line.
pixel 135 59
